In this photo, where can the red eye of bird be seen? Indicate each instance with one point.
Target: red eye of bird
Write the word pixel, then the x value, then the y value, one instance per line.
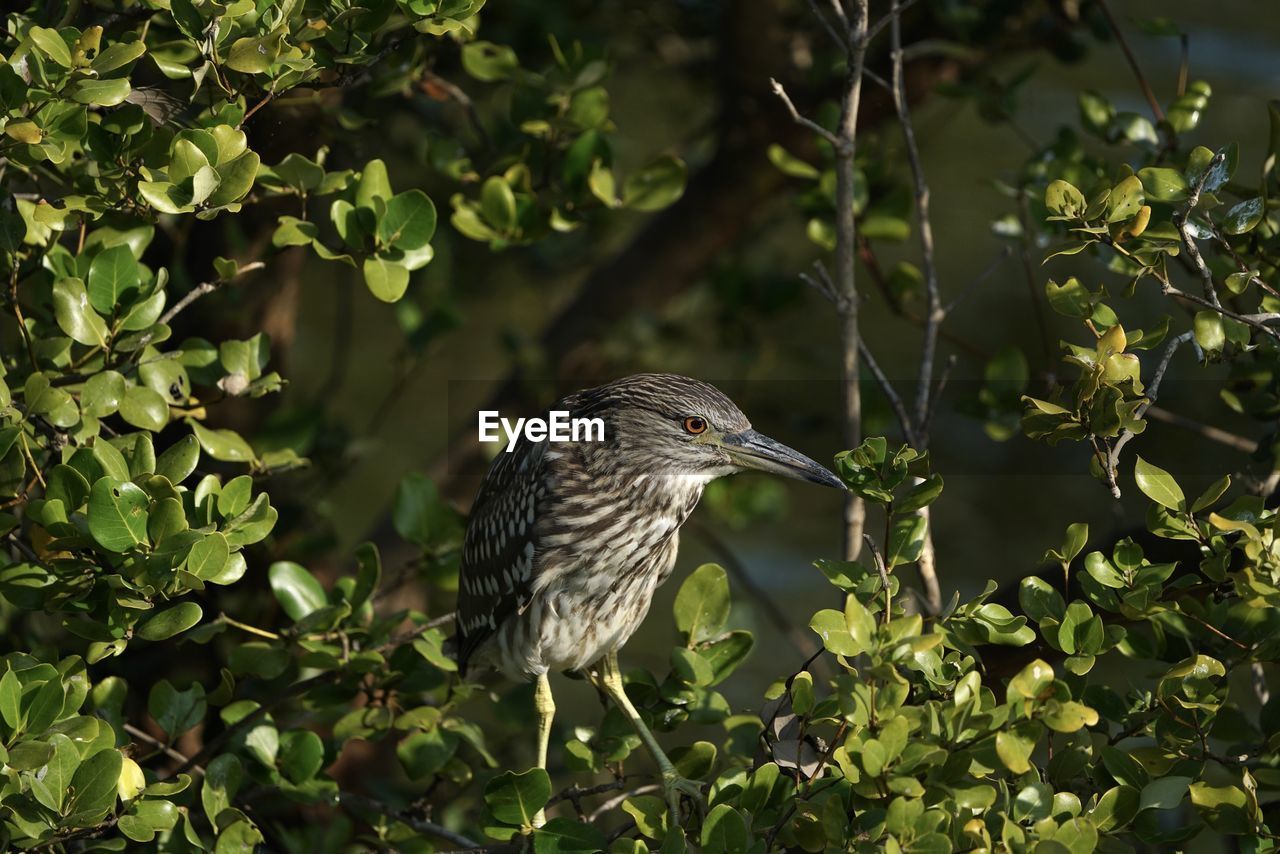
pixel 695 425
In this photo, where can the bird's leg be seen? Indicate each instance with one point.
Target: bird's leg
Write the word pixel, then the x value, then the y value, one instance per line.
pixel 673 785
pixel 545 705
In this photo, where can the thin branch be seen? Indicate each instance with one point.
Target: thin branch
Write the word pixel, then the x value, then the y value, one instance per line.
pixel 1182 219
pixel 1028 269
pixel 800 119
pixel 936 313
pixel 884 575
pixel 612 803
pixel 895 402
pixel 421 825
pixel 463 100
pixel 1208 431
pixel 165 748
pixel 1153 389
pixel 1133 62
pixel 841 41
pixel 205 288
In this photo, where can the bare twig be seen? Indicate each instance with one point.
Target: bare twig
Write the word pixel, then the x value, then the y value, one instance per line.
pixel 164 748
pixel 1112 460
pixel 1208 431
pixel 936 312
pixel 462 99
pixel 884 576
pixel 1133 62
pixel 895 401
pixel 1182 219
pixel 800 119
pixel 612 803
pixel 421 825
pixel 203 289
pixel 827 25
pixel 1028 269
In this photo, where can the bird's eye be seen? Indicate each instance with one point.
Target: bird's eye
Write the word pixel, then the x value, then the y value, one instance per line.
pixel 695 425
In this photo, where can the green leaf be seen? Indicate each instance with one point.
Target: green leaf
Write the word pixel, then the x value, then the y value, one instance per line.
pixel 920 496
pixel 1014 750
pixel 1209 331
pixel 1164 793
pixel 373 184
pixel 176 711
pixel 1163 185
pixel 51 45
pixel 1211 495
pixel 906 540
pixel 100 93
pixel 301 755
pixel 655 186
pixel 498 204
pixel 1158 485
pixel 145 408
pixel 408 222
pixel 702 605
pixel 423 754
pixel 224 445
pixel 235 178
pixel 10 695
pixel 118 55
pixel 564 835
pixel 296 589
pixel 419 514
pixel 179 460
pixel 1070 298
pixel 1063 199
pixel 489 62
pixel 113 279
pixel 368 574
pixel 67 485
pixel 254 55
pixel 789 164
pixel 76 316
pixel 170 622
pixel 515 798
pixel 385 279
pixel 1126 199
pixel 118 514
pixel 1243 217
pixel 221 783
pixel 209 556
pixel 93 788
pixel 102 394
pixel 831 626
pixel 724 831
pixel 1077 537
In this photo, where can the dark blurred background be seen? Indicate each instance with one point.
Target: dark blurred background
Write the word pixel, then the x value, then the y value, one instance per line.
pixel 709 287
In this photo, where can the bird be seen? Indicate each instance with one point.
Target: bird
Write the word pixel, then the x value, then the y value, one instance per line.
pixel 568 540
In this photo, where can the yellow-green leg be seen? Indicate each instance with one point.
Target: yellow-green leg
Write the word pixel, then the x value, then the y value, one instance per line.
pixel 545 705
pixel 673 785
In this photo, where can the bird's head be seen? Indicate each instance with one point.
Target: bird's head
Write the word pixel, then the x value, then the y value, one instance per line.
pixel 670 424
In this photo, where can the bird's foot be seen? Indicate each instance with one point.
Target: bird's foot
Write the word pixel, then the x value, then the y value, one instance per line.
pixel 675 787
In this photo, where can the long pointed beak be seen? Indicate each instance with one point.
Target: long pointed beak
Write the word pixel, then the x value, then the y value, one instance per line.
pixel 753 450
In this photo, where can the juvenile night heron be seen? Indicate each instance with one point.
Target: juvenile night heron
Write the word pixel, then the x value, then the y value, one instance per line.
pixel 568 540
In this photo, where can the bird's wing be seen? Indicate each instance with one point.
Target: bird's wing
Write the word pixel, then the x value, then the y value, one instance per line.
pixel 498 551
